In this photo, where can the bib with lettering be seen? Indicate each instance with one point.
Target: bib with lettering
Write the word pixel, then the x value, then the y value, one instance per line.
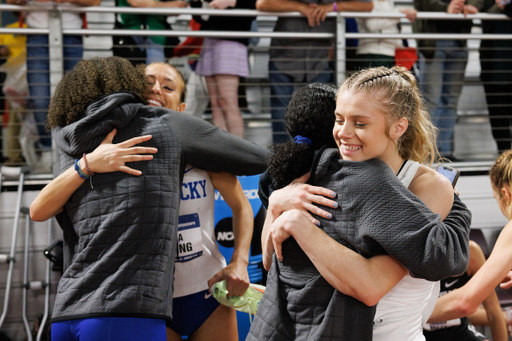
pixel 198 258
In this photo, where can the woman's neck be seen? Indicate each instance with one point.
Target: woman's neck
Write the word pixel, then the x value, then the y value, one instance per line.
pixel 395 162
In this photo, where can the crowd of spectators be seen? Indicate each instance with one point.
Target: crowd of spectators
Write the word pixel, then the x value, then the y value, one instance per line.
pixel 293 62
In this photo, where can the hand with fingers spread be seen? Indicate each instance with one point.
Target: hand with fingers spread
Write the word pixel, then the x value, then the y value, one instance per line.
pixel 106 158
pixel 301 196
pixel 109 157
pixel 236 276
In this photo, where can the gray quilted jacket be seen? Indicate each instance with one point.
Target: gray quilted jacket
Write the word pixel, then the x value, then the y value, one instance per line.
pixel 121 235
pixel 377 215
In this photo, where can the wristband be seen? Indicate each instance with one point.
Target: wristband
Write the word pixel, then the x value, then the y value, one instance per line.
pixel 335 6
pixel 79 170
pixel 87 166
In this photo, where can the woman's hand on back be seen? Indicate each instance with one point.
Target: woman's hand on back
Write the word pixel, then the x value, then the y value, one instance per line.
pixel 109 157
pixel 301 196
pixel 285 226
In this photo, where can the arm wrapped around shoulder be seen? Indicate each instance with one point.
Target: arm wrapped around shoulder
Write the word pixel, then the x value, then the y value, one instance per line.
pixel 390 219
pixel 212 149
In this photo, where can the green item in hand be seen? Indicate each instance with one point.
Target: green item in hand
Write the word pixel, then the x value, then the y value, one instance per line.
pixel 247 303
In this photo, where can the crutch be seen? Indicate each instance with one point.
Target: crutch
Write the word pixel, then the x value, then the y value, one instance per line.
pixel 33 285
pixel 47 287
pixel 11 173
pixel 26 284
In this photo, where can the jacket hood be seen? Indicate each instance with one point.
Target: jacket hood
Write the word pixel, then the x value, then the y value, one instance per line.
pixel 114 110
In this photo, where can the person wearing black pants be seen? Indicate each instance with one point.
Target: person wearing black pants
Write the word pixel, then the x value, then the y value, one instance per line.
pixel 495 58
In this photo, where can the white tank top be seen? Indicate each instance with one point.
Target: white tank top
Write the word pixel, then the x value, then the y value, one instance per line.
pixel 400 312
pixel 199 258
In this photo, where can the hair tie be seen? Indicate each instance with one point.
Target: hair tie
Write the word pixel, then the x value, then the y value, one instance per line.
pixel 302 140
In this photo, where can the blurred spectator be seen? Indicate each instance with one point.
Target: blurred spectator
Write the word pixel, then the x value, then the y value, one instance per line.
pixel 380 52
pixel 223 61
pixel 14 55
pixel 153 47
pixel 38 66
pixel 297 61
pixel 495 58
pixel 461 328
pixel 196 98
pixel 443 64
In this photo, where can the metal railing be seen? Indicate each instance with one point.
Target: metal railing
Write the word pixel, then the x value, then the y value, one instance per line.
pixel 56 32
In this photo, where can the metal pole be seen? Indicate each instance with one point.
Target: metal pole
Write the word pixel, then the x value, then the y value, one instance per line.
pixel 341 50
pixel 12 252
pixel 47 287
pixel 55 48
pixel 26 284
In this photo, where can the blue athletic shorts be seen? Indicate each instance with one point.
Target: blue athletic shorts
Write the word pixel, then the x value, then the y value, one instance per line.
pixel 190 312
pixel 110 329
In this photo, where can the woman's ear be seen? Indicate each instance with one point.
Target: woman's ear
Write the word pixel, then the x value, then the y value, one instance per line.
pixel 505 194
pixel 181 107
pixel 398 128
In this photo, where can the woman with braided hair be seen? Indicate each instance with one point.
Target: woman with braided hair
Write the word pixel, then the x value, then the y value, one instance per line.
pixel 391 216
pixel 120 230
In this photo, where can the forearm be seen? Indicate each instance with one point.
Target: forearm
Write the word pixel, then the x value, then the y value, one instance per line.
pixel 267 247
pixel 447 246
pixel 54 196
pixel 495 318
pixel 465 301
pixel 243 227
pixel 426 246
pixel 479 317
pixel 279 5
pixel 212 149
pixel 150 3
pixel 354 6
pixel 243 223
pixel 86 3
pixel 453 305
pixel 367 280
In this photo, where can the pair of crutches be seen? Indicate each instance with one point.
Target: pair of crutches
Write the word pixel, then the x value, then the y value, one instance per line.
pixel 12 174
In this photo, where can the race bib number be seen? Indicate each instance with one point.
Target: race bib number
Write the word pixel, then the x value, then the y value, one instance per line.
pixel 190 240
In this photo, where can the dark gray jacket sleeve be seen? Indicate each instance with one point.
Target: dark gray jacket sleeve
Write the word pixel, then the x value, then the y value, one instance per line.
pixel 394 219
pixel 210 148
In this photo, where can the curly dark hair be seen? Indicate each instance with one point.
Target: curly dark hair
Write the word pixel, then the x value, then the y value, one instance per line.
pixel 89 80
pixel 310 114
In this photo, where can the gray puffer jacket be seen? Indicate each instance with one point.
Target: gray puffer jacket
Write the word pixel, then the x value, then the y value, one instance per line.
pixel 121 235
pixel 377 216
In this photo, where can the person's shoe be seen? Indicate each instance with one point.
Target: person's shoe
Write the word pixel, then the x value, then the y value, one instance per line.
pixel 247 303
